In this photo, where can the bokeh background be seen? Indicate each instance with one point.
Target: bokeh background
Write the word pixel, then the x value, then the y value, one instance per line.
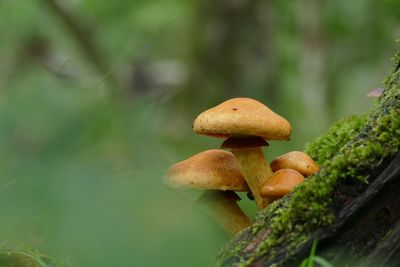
pixel 98 97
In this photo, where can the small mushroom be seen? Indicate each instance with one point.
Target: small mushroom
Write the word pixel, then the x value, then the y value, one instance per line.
pixel 281 183
pixel 218 171
pixel 295 160
pixel 213 169
pixel 246 123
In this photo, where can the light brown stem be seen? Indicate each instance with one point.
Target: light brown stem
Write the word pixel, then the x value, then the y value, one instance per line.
pixel 227 212
pixel 255 170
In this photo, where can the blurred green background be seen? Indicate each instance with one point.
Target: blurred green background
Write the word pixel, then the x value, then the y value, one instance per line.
pixel 98 97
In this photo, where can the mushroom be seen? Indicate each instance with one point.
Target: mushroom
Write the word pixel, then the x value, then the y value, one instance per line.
pixel 218 171
pixel 246 123
pixel 296 160
pixel 281 183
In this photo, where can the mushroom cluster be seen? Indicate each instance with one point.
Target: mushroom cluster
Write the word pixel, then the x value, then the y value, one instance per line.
pixel 246 125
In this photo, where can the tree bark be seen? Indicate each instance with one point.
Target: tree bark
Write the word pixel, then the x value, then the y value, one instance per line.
pixel 366 225
pixel 230 49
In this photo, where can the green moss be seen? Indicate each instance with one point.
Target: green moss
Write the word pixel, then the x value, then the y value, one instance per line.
pixel 349 150
pixel 309 206
pixel 326 146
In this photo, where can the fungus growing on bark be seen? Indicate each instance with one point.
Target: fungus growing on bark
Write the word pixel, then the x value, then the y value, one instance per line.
pixel 218 171
pixel 295 160
pixel 246 123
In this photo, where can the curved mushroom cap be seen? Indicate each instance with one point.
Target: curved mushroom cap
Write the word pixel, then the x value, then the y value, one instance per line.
pixel 213 169
pixel 242 117
pixel 281 183
pixel 296 160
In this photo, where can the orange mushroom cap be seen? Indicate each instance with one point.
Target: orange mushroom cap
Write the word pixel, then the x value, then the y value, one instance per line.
pixel 213 169
pixel 295 160
pixel 281 183
pixel 240 117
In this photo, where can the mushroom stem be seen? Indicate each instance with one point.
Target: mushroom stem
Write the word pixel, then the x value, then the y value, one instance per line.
pixel 226 211
pixel 255 170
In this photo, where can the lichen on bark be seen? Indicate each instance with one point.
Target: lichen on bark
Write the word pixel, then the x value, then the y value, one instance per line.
pixel 350 150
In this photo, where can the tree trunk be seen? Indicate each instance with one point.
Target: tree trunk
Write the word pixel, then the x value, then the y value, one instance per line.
pixel 352 209
pixel 230 49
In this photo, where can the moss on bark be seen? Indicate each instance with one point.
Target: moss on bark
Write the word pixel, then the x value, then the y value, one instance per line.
pixel 350 150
